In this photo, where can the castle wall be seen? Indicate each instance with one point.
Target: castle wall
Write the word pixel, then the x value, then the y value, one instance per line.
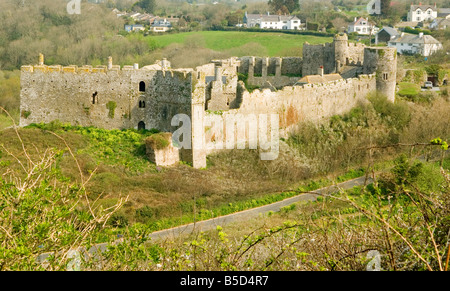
pixel 382 61
pixel 293 104
pixel 288 65
pixel 109 99
pixel 309 102
pixel 315 56
pixel 332 56
pixel 271 72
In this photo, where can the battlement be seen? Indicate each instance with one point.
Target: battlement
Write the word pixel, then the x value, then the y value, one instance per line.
pixel 86 69
pixel 357 45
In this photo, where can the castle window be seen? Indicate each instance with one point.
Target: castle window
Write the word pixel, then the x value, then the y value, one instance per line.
pixel 95 98
pixel 142 86
pixel 141 125
pixel 385 76
pixel 141 104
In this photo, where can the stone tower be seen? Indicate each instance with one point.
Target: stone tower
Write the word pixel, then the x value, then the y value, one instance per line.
pixel 382 61
pixel 340 51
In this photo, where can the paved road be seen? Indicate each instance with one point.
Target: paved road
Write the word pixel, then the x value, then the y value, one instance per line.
pixel 254 212
pixel 95 251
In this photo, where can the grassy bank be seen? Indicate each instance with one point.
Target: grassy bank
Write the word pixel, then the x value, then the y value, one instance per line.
pixel 241 43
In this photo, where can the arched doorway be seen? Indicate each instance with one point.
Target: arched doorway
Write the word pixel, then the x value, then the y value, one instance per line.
pixel 141 125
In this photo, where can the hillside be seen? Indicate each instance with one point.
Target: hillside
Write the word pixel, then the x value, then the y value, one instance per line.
pixel 159 198
pixel 121 167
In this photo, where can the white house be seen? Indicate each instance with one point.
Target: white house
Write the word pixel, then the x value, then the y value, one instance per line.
pixel 421 12
pixel 424 45
pixel 134 27
pixel 362 26
pixel 271 21
pixel 161 25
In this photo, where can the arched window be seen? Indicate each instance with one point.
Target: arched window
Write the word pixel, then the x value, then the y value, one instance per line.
pixel 142 86
pixel 141 125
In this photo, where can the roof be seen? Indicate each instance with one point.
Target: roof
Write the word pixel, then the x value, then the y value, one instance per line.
pixel 391 31
pixel 360 20
pixel 273 18
pixel 161 23
pixel 315 79
pixel 407 24
pixel 442 12
pixel 415 38
pixel 442 22
pixel 423 7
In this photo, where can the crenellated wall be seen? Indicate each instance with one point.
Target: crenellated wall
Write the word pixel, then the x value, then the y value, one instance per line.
pixel 310 101
pixel 112 98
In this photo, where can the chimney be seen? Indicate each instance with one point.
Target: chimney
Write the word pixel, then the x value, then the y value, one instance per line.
pixel 320 71
pixel 218 73
pixel 164 63
pixel 41 59
pixel 110 63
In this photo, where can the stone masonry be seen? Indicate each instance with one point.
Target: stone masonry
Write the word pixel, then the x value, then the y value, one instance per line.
pixel 114 97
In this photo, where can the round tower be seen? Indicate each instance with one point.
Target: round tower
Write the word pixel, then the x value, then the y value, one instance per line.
pixel 340 43
pixel 382 61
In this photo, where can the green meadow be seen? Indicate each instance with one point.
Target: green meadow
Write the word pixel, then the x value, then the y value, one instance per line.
pixel 275 44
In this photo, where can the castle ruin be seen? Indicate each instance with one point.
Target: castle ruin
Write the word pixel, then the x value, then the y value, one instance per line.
pixel 329 79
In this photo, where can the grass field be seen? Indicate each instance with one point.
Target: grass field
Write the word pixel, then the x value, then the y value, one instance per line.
pixel 273 44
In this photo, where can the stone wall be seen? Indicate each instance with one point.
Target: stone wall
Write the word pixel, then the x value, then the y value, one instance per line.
pixel 315 56
pixel 309 102
pixel 292 104
pixel 382 61
pixel 111 97
pixel 108 98
pixel 271 72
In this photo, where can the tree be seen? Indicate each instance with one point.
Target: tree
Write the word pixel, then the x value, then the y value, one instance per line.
pixel 385 7
pixel 282 5
pixel 147 5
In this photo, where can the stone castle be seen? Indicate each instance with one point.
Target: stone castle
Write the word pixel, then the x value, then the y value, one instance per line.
pixel 329 79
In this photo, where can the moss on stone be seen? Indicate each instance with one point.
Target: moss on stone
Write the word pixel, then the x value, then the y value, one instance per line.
pixel 111 105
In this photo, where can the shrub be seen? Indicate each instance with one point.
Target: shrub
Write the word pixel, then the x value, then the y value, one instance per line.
pixel 394 114
pixel 159 140
pixel 118 220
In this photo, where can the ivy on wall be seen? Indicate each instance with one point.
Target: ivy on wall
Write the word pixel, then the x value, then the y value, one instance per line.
pixel 111 105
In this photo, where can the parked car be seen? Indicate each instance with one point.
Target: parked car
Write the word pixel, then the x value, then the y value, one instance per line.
pixel 428 85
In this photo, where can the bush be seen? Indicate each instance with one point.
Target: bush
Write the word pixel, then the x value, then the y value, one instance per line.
pixel 118 220
pixel 159 140
pixel 396 114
